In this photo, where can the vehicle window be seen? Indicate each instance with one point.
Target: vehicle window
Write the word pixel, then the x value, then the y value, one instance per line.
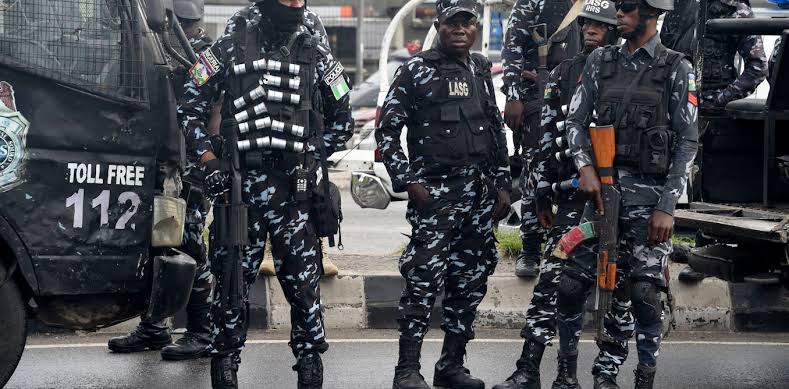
pixel 366 94
pixel 88 44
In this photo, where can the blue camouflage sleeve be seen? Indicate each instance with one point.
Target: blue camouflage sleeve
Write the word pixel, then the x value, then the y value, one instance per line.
pixel 337 119
pixel 579 112
pixel 397 108
pixel 751 49
pixel 683 111
pixel 517 44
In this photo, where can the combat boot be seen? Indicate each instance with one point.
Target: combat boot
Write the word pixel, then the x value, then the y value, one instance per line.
pixel 449 372
pixel 566 377
pixel 310 371
pixel 195 342
pixel 605 381
pixel 528 263
pixel 407 370
pixel 527 375
pixel 645 377
pixel 147 336
pixel 224 371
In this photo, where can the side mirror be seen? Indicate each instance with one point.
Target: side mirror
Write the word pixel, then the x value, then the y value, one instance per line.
pixel 155 13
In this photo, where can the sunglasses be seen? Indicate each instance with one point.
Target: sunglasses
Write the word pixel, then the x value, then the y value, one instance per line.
pixel 626 6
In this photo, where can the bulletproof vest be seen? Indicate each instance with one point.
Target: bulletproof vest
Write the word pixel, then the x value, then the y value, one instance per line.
pixel 636 105
pixel 456 129
pixel 679 27
pixel 274 101
pixel 569 72
pixel 718 67
pixel 565 43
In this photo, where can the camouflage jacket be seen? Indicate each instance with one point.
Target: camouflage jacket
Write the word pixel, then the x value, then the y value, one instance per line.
pixel 407 95
pixel 195 105
pixel 638 189
pixel 751 49
pixel 774 57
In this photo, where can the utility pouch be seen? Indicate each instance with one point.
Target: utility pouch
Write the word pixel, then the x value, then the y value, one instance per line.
pixel 655 154
pixel 327 212
pixel 227 233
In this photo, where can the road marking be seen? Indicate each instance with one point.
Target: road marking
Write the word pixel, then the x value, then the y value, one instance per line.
pixel 395 340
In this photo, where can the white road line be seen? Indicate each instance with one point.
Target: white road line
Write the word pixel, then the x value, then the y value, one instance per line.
pixel 394 340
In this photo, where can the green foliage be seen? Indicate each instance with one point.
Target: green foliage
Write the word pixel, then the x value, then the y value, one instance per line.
pixel 510 244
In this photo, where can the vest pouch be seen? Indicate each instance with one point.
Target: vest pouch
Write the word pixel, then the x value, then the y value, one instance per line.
pixel 655 150
pixel 606 113
pixel 326 211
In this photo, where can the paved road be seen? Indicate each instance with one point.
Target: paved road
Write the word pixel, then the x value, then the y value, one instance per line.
pixel 364 359
pixel 372 232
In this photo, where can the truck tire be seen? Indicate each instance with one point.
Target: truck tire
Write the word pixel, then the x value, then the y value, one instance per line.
pixel 13 327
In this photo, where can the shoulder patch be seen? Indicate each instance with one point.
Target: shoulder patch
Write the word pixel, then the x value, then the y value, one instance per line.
pixel 334 78
pixel 691 82
pixel 206 67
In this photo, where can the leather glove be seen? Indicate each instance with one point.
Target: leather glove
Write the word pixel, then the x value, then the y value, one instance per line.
pixel 217 181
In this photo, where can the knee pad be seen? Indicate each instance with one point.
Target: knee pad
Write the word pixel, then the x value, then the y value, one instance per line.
pixel 646 303
pixel 571 294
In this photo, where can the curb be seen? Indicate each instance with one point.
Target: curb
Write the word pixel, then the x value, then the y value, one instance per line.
pixel 369 301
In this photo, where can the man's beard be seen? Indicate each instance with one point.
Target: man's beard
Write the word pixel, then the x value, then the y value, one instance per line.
pixel 640 28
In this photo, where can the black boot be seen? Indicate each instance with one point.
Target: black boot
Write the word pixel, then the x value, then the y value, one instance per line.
pixel 645 376
pixel 197 338
pixel 604 381
pixel 688 275
pixel 566 378
pixel 223 372
pixel 450 372
pixel 528 263
pixel 310 371
pixel 190 346
pixel 527 374
pixel 147 336
pixel 407 370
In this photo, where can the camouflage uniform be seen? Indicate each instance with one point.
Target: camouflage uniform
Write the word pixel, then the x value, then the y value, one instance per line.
pixel 773 58
pixel 452 245
pixel 679 27
pixel 721 84
pixel 642 265
pixel 520 53
pixel 267 192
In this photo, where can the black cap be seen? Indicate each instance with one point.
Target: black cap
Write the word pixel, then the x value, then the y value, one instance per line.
pixel 448 8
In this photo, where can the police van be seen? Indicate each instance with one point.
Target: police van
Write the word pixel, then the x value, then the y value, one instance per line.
pixel 89 157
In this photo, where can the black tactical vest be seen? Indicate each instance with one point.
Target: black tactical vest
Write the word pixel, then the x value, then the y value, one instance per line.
pixel 718 70
pixel 566 43
pixel 636 104
pixel 274 103
pixel 456 129
pixel 569 72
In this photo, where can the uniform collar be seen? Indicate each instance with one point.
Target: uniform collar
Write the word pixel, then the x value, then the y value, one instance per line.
pixel 648 47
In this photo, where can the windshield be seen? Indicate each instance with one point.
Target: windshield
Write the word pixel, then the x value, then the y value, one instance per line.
pixel 89 44
pixel 366 94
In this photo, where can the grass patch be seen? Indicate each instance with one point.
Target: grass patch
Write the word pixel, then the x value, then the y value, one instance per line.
pixel 687 239
pixel 510 244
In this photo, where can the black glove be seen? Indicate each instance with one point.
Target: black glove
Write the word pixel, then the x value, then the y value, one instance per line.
pixel 217 180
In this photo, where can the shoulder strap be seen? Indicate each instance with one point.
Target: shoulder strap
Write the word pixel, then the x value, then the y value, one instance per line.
pixel 572 14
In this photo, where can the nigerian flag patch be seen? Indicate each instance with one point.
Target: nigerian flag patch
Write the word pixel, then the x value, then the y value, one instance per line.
pixel 335 79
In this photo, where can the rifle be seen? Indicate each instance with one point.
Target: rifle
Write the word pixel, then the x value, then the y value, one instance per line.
pixel 604 226
pixel 231 223
pixel 539 32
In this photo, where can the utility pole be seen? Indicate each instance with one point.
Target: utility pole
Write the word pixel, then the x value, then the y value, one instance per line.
pixel 360 42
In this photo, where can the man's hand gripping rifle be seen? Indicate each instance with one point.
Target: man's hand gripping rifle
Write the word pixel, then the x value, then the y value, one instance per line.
pixel 604 225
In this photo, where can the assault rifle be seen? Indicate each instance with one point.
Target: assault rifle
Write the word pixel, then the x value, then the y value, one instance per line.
pixel 231 223
pixel 604 226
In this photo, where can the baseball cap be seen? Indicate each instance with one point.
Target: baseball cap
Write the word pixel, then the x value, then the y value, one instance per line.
pixel 448 8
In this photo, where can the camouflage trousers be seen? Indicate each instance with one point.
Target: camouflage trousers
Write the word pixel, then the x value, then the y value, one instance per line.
pixel 297 261
pixel 640 267
pixel 198 308
pixel 531 231
pixel 541 313
pixel 452 248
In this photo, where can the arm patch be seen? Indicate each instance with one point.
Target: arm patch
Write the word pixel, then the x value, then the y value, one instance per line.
pixel 206 67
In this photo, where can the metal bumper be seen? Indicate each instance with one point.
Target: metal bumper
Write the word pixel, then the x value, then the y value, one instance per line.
pixel 171 284
pixel 368 191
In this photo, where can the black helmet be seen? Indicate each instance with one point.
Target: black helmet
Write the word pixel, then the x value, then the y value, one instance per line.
pixel 189 9
pixel 602 11
pixel 663 5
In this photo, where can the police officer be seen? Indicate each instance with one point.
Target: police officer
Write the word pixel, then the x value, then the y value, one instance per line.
pixel 678 31
pixel 522 111
pixel 555 188
pixel 721 83
pixel 155 335
pixel 287 98
pixel 647 93
pixel 458 182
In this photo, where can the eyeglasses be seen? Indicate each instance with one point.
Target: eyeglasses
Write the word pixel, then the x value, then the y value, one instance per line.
pixel 626 6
